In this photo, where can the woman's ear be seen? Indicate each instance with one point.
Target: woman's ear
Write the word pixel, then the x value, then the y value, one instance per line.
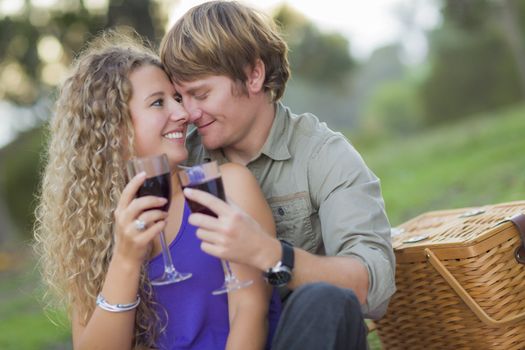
pixel 255 77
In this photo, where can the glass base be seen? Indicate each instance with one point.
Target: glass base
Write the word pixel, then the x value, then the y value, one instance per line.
pixel 169 278
pixel 231 285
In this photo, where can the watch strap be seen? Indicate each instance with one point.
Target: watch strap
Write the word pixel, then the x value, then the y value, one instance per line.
pixel 288 257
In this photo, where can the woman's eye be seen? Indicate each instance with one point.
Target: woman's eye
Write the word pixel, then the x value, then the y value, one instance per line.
pixel 178 98
pixel 158 103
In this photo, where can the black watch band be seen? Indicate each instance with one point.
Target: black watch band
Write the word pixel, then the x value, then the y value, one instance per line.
pixel 281 274
pixel 288 258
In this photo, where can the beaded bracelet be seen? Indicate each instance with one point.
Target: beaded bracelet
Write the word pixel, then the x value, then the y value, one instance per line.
pixel 103 304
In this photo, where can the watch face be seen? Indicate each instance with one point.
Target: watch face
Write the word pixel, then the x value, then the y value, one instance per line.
pixel 280 277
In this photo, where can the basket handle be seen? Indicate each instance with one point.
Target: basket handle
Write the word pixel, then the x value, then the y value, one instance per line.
pixel 467 299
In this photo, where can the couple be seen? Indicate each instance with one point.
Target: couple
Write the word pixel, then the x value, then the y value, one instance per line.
pixel 224 69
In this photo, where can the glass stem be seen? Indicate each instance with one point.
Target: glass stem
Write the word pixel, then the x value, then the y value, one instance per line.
pixel 228 274
pixel 166 256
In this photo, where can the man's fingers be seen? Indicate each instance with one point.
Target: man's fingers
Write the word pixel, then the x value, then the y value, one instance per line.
pixel 213 203
pixel 204 221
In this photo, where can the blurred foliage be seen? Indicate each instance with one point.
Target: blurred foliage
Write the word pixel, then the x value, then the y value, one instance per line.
pixel 20 162
pixel 314 55
pixel 37 44
pixel 394 109
pixel 475 59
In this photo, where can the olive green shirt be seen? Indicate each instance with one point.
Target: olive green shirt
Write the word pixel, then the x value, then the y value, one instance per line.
pixel 323 197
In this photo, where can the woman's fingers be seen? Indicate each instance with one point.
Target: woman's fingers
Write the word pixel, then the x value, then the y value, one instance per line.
pixel 130 191
pixel 144 238
pixel 150 217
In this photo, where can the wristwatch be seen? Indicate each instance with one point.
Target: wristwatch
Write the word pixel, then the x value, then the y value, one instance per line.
pixel 281 273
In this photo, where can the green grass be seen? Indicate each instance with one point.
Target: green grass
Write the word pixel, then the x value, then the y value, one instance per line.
pixel 23 324
pixel 475 162
pixel 478 161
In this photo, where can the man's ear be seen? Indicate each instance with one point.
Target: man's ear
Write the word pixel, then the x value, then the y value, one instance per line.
pixel 255 77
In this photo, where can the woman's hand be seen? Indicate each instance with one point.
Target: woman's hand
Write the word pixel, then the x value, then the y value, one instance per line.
pixel 131 243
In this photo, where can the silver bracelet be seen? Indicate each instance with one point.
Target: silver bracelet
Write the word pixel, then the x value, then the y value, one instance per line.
pixel 103 304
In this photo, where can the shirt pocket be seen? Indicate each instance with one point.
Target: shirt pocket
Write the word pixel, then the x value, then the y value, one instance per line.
pixel 292 219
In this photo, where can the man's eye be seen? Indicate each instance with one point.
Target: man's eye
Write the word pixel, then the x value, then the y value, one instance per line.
pixel 158 103
pixel 201 96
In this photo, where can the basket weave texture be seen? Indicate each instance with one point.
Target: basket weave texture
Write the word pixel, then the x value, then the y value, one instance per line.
pixel 459 285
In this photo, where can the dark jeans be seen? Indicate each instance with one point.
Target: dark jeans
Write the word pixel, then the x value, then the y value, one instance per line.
pixel 320 316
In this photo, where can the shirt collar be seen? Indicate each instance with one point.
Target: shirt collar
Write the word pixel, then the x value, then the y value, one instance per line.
pixel 276 145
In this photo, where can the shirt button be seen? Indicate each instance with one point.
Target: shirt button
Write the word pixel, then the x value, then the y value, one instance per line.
pixel 280 211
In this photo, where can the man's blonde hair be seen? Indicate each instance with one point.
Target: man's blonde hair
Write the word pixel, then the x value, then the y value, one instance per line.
pixel 225 38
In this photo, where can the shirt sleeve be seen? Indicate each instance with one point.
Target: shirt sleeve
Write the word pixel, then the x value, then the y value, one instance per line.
pixel 352 215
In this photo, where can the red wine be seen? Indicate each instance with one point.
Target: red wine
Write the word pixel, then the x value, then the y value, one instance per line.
pixel 212 186
pixel 159 186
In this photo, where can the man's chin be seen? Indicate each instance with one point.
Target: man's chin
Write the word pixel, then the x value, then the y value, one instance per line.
pixel 211 144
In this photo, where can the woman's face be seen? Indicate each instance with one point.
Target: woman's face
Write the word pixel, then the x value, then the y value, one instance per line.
pixel 158 117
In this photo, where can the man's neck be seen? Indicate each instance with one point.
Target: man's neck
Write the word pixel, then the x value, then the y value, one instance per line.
pixel 252 143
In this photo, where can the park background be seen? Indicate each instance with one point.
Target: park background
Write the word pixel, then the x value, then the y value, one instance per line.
pixel 438 111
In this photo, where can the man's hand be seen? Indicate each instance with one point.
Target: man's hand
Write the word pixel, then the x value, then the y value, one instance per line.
pixel 233 235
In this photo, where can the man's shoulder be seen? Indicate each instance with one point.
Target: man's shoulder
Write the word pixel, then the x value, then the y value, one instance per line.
pixel 308 127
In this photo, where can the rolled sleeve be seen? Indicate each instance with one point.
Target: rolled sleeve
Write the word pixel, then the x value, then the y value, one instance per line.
pixel 353 218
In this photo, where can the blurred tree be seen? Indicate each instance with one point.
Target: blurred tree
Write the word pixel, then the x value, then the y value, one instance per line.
pixel 314 56
pixel 38 43
pixel 473 66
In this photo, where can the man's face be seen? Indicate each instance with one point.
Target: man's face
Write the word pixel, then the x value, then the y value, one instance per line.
pixel 223 114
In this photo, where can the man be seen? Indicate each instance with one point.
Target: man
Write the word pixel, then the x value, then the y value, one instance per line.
pixel 230 66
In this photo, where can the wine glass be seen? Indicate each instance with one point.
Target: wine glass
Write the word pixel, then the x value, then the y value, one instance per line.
pixel 158 183
pixel 207 177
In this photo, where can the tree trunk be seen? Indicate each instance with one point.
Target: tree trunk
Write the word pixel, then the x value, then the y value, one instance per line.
pixel 133 13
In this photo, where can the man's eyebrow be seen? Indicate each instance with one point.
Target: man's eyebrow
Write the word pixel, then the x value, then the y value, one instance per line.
pixel 193 89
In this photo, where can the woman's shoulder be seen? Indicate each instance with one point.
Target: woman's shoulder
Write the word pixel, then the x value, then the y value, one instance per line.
pixel 238 178
pixel 236 172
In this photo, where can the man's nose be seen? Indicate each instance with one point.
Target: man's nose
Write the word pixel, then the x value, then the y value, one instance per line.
pixel 194 115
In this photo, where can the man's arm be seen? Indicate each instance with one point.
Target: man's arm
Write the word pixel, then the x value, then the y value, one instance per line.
pixel 353 220
pixel 354 227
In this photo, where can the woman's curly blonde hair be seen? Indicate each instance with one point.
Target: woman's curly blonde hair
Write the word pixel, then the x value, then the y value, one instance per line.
pixel 91 136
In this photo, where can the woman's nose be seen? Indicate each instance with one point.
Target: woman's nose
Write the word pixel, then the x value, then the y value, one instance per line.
pixel 179 113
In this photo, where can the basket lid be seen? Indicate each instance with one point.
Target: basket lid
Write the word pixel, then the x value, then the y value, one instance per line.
pixel 452 227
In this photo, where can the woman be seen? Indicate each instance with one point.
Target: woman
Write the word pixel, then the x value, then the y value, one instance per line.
pixel 119 103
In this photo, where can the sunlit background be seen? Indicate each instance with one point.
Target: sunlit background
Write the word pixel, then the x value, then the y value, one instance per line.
pixel 431 93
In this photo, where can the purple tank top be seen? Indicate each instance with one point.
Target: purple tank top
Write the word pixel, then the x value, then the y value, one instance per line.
pixel 196 319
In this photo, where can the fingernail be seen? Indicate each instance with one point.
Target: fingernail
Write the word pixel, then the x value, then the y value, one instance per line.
pixel 188 191
pixel 141 174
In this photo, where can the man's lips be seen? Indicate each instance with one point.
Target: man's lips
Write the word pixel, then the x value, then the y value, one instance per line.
pixel 201 126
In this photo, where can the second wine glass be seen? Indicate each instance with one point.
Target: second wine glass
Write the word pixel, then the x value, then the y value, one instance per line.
pixel 207 177
pixel 158 183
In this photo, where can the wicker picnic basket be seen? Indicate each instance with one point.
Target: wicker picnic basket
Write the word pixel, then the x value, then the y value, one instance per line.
pixel 460 281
